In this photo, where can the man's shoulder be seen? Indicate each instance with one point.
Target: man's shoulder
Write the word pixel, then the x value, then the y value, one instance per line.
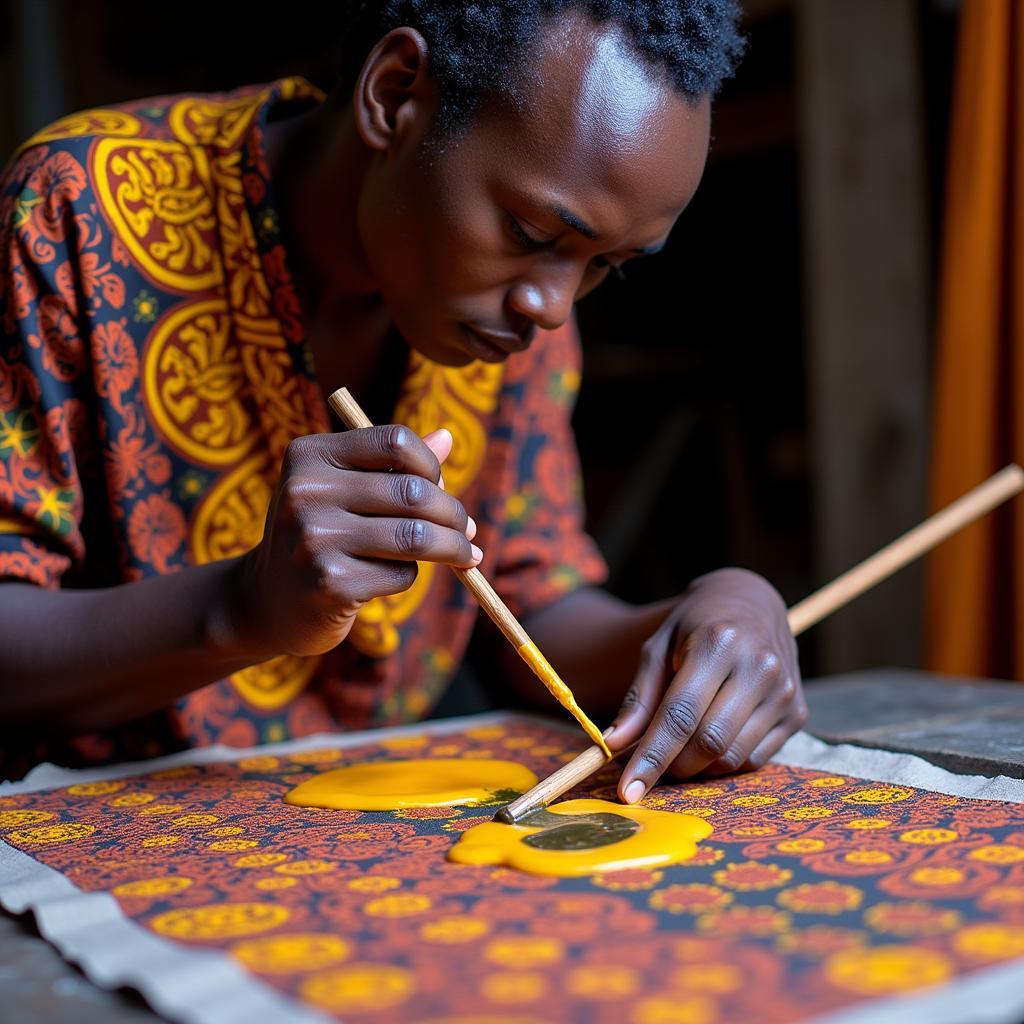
pixel 181 122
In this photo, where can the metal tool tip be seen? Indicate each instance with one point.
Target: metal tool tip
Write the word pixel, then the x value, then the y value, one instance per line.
pixel 505 816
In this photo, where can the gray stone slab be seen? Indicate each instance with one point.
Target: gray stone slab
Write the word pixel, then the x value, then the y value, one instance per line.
pixel 968 726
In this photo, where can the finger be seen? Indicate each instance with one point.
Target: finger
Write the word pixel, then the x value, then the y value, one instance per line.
pixel 731 709
pixel 757 727
pixel 771 745
pixel 440 443
pixel 394 539
pixel 702 673
pixel 403 495
pixel 369 578
pixel 389 447
pixel 652 675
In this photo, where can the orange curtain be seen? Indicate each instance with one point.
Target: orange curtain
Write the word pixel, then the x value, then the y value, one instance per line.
pixel 974 607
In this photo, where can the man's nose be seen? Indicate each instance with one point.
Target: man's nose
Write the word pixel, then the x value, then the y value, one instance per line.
pixel 546 301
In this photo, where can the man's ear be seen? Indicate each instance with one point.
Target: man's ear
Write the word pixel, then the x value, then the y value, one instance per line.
pixel 392 87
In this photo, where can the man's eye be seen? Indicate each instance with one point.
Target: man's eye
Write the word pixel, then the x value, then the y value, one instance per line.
pixel 523 238
pixel 603 263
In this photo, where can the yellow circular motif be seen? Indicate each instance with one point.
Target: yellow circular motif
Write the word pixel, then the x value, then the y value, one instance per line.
pixel 219 920
pixel 11 819
pixel 672 1010
pixel 399 905
pixel 1005 895
pixel 95 788
pixel 374 883
pixel 161 840
pixel 716 979
pixel 260 860
pixel 755 801
pixel 287 953
pixel 879 795
pixel 359 988
pixel 132 800
pixel 604 983
pixel 225 830
pixel 196 819
pixel 306 867
pixel 998 854
pixel 937 876
pixel 828 782
pixel 868 824
pixel 486 732
pixel 800 845
pixel 161 809
pixel 153 886
pixel 524 951
pixel 867 857
pixel 45 834
pixel 929 836
pixel 194 385
pixel 232 845
pixel 323 756
pixel 454 929
pixel 750 830
pixel 883 969
pixel 512 987
pixel 810 813
pixel 990 941
pixel 156 193
pixel 276 883
pixel 518 742
pixel 262 763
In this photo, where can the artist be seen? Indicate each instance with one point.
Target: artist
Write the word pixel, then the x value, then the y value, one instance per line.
pixel 192 552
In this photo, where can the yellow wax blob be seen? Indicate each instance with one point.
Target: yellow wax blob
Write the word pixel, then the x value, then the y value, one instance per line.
pixel 392 785
pixel 662 838
pixel 542 669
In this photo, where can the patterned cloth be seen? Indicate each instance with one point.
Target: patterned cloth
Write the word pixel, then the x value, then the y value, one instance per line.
pixel 816 891
pixel 153 369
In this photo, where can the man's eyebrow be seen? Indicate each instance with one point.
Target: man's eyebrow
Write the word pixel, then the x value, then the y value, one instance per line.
pixel 577 223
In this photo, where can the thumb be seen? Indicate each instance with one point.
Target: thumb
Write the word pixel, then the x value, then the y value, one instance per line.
pixel 440 443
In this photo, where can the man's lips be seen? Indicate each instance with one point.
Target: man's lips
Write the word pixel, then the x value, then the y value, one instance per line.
pixel 494 345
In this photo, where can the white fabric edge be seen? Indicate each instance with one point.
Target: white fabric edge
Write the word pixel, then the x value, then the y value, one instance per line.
pixel 994 995
pixel 806 751
pixel 195 986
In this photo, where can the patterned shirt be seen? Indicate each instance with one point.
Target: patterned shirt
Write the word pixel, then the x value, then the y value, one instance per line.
pixel 153 368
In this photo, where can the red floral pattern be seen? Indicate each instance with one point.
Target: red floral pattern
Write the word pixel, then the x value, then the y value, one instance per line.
pixel 328 906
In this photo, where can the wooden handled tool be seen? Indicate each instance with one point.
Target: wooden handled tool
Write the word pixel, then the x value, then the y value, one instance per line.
pixel 353 417
pixel 810 611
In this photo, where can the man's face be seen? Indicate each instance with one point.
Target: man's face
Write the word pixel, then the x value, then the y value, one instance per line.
pixel 478 241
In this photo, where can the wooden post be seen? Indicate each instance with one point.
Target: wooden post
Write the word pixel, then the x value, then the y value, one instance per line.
pixel 867 302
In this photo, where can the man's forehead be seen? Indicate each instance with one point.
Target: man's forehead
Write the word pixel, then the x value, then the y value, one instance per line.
pixel 594 106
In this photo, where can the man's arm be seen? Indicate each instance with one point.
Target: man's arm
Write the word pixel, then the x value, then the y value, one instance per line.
pixel 351 516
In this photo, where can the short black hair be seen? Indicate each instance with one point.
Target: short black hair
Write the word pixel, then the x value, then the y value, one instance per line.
pixel 476 46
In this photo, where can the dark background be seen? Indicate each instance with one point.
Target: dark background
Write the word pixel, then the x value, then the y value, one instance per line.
pixel 733 411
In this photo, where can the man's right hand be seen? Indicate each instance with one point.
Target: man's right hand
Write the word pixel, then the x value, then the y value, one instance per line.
pixel 351 516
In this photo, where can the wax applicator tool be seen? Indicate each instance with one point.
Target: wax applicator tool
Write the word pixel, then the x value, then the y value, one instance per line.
pixel 822 603
pixel 352 416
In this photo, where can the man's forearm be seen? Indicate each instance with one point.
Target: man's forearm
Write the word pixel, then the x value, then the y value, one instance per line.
pixel 74 661
pixel 593 640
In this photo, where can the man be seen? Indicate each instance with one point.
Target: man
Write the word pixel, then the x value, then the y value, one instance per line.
pixel 191 554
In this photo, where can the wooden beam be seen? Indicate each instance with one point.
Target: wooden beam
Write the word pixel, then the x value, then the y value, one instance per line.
pixel 867 306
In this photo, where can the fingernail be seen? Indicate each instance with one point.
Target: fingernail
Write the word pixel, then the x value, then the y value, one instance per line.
pixel 478 555
pixel 608 731
pixel 471 527
pixel 635 791
pixel 440 482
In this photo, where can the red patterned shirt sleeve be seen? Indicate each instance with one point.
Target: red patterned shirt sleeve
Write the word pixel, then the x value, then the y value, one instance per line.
pixel 45 379
pixel 545 551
